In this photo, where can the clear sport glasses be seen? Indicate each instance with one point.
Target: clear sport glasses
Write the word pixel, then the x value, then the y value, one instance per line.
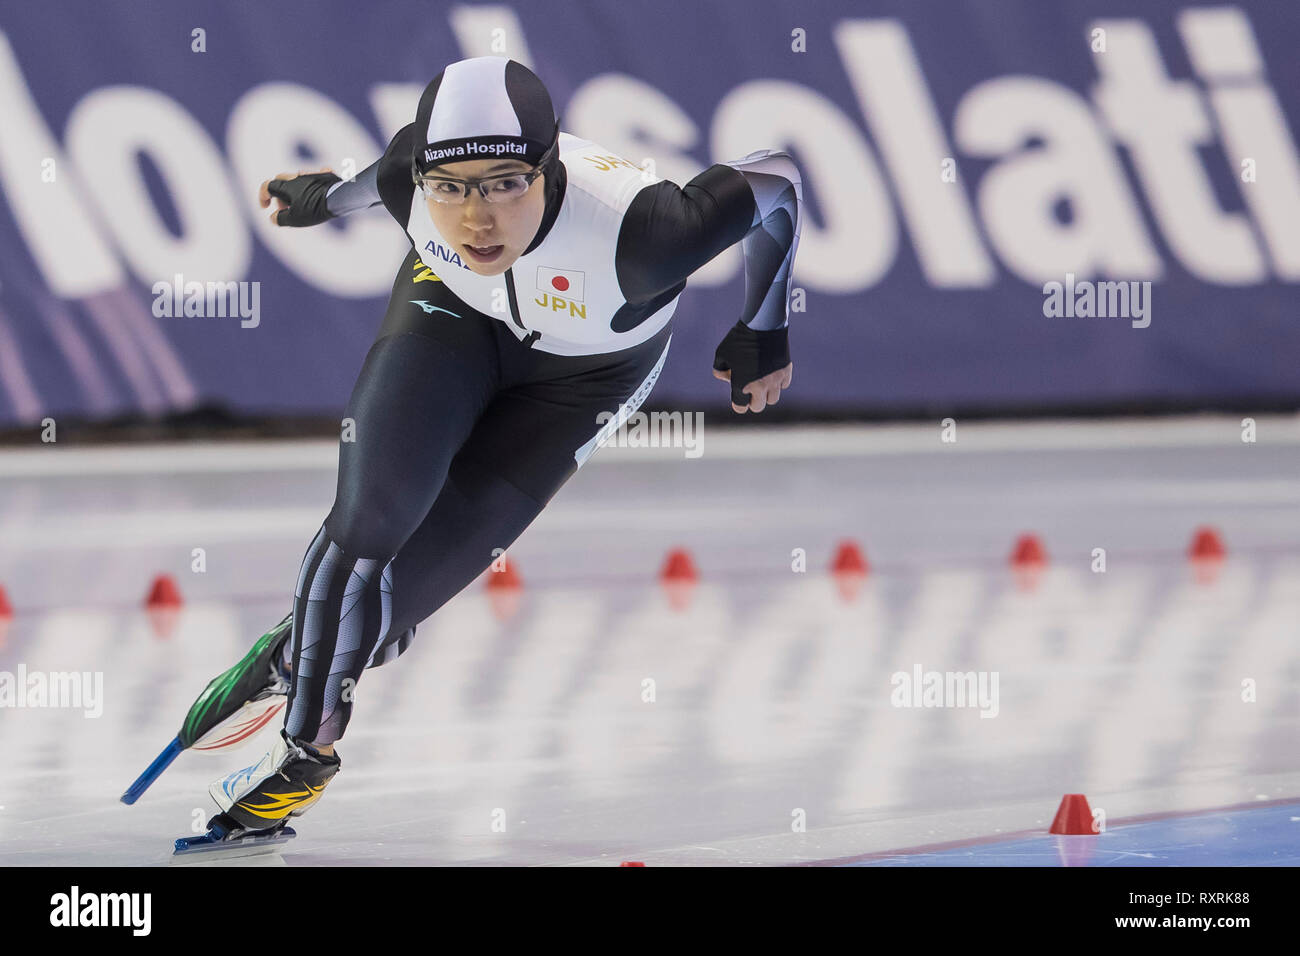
pixel 494 189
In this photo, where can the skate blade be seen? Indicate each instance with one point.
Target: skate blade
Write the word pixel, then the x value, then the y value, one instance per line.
pixel 205 849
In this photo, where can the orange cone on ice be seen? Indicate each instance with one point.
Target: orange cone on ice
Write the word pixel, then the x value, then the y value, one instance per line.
pixel 1028 561
pixel 1073 816
pixel 507 577
pixel 1206 553
pixel 6 616
pixel 1028 552
pixel 1206 543
pixel 163 606
pixel 504 589
pixel 163 593
pixel 631 863
pixel 679 578
pixel 850 568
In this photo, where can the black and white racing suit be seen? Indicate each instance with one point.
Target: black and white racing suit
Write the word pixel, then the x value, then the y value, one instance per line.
pixel 482 395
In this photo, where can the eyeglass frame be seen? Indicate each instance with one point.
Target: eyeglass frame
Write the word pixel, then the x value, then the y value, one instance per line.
pixel 468 184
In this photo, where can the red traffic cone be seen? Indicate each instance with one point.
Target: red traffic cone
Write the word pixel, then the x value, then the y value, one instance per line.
pixel 1028 552
pixel 631 863
pixel 506 577
pixel 1206 543
pixel 163 593
pixel 163 606
pixel 850 568
pixel 1073 815
pixel 505 589
pixel 679 578
pixel 6 616
pixel 1028 561
pixel 679 566
pixel 1206 552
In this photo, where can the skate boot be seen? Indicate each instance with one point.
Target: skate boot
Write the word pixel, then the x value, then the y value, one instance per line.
pixel 284 783
pixel 241 701
pixel 257 802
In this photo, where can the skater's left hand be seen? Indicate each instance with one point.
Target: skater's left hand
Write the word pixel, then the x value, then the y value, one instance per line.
pixel 756 363
pixel 762 391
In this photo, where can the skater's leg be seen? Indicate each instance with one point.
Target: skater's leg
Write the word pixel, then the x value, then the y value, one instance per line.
pixel 424 384
pixel 395 644
pixel 531 439
pixel 477 513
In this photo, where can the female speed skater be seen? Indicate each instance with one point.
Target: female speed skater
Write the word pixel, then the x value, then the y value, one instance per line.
pixel 538 293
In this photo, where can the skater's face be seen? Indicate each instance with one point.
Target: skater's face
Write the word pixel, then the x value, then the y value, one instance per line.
pixel 489 236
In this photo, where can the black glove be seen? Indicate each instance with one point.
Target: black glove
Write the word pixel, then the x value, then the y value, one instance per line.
pixel 306 198
pixel 750 355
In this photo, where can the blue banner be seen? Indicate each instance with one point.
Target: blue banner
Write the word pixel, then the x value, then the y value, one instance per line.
pixel 1009 204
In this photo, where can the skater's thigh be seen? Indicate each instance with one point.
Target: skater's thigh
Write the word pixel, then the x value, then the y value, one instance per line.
pixel 476 516
pixel 529 441
pixel 423 386
pixel 543 429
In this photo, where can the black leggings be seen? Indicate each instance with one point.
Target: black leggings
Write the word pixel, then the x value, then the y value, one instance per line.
pixel 460 435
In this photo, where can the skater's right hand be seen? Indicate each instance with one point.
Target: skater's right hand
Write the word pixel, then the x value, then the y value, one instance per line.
pixel 300 199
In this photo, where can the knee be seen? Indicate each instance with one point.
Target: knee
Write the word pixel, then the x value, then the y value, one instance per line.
pixel 374 532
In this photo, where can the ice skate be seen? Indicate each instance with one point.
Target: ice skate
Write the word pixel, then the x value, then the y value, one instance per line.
pixel 256 802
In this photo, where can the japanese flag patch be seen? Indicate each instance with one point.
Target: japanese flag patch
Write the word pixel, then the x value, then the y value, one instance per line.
pixel 562 282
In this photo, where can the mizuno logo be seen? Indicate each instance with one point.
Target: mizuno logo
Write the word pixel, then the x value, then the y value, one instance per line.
pixel 431 308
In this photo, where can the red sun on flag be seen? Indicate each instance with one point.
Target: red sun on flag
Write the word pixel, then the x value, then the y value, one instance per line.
pixel 571 282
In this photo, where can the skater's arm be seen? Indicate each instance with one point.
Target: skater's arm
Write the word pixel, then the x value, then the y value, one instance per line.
pixel 669 232
pixel 309 199
pixel 754 357
pixel 772 241
pixel 362 192
pixel 388 176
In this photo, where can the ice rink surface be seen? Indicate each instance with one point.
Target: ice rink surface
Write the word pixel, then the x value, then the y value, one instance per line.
pixel 599 724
